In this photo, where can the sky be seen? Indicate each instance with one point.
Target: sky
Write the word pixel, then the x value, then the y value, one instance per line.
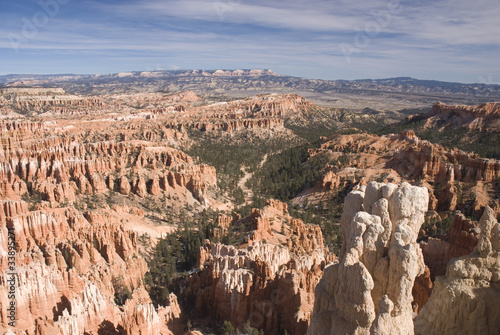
pixel 448 40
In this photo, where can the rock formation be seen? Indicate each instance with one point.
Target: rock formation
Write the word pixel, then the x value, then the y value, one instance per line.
pixel 66 268
pixel 266 112
pixel 58 169
pixel 449 173
pixel 460 240
pixel 467 299
pixel 268 281
pixel 369 290
pixel 54 100
pixel 73 256
pixel 481 117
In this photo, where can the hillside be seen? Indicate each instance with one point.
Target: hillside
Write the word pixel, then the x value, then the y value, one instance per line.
pixel 470 128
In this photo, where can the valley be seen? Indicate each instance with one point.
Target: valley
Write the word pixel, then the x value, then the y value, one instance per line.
pixel 212 202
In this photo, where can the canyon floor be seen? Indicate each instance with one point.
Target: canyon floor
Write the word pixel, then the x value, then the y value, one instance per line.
pixel 224 202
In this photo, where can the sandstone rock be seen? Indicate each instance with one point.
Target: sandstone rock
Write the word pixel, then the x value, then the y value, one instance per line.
pixel 65 268
pixel 422 289
pixel 461 240
pixel 154 188
pixel 270 281
pixel 124 186
pixel 482 117
pixel 470 288
pixel 140 187
pixel 404 155
pixel 369 290
pixel 97 183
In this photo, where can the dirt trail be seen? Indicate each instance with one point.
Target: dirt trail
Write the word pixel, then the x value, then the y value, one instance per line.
pixel 247 175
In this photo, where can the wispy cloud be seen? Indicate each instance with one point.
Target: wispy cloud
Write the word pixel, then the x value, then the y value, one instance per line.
pixel 441 39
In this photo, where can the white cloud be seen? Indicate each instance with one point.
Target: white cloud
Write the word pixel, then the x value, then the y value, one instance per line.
pixel 441 35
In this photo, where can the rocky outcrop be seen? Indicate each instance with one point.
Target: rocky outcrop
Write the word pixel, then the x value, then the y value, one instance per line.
pixel 369 290
pixel 434 161
pixel 141 317
pixel 422 289
pixel 59 169
pixel 268 282
pixel 61 104
pixel 66 268
pixel 460 240
pixel 467 299
pixel 449 173
pixel 266 112
pixel 481 117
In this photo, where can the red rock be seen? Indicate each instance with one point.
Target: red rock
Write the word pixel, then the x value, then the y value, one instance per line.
pixel 267 282
pixel 124 186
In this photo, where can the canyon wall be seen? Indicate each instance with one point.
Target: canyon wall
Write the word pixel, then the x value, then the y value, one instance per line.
pixel 68 270
pixel 484 117
pixel 268 280
pixel 58 168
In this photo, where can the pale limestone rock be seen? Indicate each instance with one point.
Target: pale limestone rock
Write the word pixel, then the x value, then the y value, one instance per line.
pixel 467 299
pixel 369 290
pixel 373 192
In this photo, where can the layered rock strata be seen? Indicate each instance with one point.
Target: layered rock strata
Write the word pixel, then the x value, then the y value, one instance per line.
pixel 484 117
pixel 268 280
pixel 460 240
pixel 59 169
pixel 449 173
pixel 68 269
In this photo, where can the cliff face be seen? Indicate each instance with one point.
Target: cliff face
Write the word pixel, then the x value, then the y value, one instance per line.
pixel 266 112
pixel 69 267
pixel 268 281
pixel 448 173
pixel 76 258
pixel 467 299
pixel 58 169
pixel 369 290
pixel 42 100
pixel 434 161
pixel 460 240
pixel 484 117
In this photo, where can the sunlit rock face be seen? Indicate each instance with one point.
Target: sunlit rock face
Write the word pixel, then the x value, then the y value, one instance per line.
pixel 467 299
pixel 369 290
pixel 269 279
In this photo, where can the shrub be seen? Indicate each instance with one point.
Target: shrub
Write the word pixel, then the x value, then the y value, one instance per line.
pixel 228 328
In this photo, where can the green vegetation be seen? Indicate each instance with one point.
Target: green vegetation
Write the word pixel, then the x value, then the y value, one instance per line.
pixel 435 226
pixel 33 198
pixel 176 254
pixel 229 155
pixel 228 328
pixel 122 292
pixel 327 214
pixel 249 330
pixel 286 174
pixel 484 143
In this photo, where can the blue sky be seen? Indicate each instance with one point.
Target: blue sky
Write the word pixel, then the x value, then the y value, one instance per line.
pixel 450 40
